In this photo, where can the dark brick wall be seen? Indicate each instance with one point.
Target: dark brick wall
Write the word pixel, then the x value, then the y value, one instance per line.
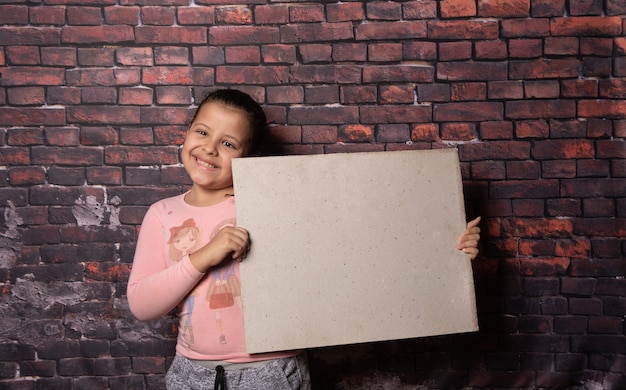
pixel 94 98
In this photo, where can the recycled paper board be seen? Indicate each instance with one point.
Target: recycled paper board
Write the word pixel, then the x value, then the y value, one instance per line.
pixel 352 247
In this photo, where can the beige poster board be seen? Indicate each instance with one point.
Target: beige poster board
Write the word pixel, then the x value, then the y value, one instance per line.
pixel 353 247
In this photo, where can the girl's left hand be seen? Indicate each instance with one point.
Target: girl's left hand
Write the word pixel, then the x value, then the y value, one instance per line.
pixel 468 242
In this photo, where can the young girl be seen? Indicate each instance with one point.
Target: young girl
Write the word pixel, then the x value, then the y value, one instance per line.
pixel 188 255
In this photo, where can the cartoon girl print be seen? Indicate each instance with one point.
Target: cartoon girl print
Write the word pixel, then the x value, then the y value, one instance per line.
pixel 224 287
pixel 184 240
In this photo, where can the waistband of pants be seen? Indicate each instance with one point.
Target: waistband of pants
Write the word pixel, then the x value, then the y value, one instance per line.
pixel 230 366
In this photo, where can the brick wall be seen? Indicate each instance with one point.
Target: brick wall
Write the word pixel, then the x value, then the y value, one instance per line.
pixel 94 100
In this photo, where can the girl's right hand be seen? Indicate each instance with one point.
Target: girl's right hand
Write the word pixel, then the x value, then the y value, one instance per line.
pixel 229 242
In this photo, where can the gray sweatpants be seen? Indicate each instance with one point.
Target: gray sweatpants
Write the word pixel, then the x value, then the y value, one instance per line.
pixel 279 374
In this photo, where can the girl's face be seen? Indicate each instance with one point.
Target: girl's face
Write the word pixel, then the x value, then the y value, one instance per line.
pixel 217 135
pixel 185 242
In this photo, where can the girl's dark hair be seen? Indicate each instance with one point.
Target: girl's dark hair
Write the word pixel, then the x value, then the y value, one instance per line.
pixel 244 102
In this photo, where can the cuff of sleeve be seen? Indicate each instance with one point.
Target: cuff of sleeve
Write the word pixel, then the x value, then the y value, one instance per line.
pixel 189 270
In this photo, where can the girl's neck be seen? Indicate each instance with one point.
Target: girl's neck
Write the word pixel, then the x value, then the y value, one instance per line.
pixel 200 197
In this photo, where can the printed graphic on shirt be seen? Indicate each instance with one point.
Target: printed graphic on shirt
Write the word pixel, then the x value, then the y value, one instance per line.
pixel 224 287
pixel 184 240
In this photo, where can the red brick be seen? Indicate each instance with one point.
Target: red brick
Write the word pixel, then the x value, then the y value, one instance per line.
pixel 233 15
pixel 141 96
pixel 24 96
pixel 557 169
pixel 355 94
pixel 494 130
pixel 396 94
pixel 62 136
pixel 342 74
pixel 162 155
pixel 532 129
pixel 314 32
pixel 503 8
pixel 84 16
pixel 242 54
pixel 170 35
pixel 32 75
pixel 615 7
pixel 63 95
pixel 306 13
pixel 398 73
pixel 103 95
pixel 58 56
pixel 136 136
pixel 32 116
pixel 450 51
pixel 463 30
pixel 458 131
pixel 457 8
pixel 50 15
pixel 566 149
pixel 579 88
pixel 527 207
pixel 613 88
pixel 96 57
pixel 602 108
pixel 525 27
pixel 528 109
pixel 395 114
pixel 615 148
pixel 160 16
pixel 433 92
pixel 321 94
pixel 30 35
pixel 320 134
pixel 169 135
pixel 428 132
pixel 524 189
pixel 23 55
pixel 392 133
pixel 418 50
pixel 171 55
pixel 597 67
pixel 252 74
pixel 355 133
pixel 493 50
pixel 323 115
pixel 472 111
pixel 592 168
pixel 596 46
pixel 541 89
pixel 162 75
pixel 561 46
pixel 419 9
pixel 97 34
pixel 274 54
pixel 525 48
pixel 20 176
pixel 343 12
pixel 67 156
pixel 384 52
pixel 378 10
pixel 208 56
pixel 486 170
pixel 170 116
pixel 279 14
pixel 593 187
pixel 586 26
pixel 471 71
pixel 495 150
pixel 103 115
pixel 285 94
pixel 122 15
pixel 388 30
pixel 315 53
pixel 523 170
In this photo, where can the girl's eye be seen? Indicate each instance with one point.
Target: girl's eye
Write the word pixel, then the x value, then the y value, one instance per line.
pixel 202 132
pixel 228 144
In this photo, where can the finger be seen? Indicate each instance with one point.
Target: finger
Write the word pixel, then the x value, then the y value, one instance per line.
pixel 473 222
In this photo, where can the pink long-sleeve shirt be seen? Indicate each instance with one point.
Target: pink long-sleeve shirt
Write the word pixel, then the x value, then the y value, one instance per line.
pixel 163 277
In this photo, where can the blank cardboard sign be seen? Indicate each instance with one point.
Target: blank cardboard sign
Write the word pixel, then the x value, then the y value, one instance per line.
pixel 353 247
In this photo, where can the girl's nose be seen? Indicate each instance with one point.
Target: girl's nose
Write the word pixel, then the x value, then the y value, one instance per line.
pixel 210 148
